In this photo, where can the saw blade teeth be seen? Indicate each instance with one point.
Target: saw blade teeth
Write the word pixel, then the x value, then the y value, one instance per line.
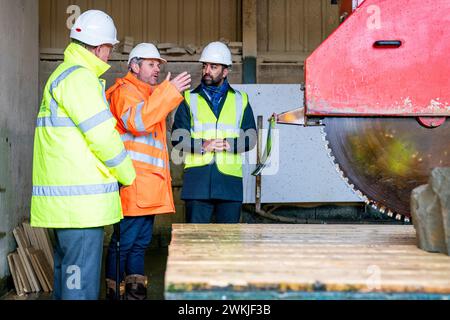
pixel 329 151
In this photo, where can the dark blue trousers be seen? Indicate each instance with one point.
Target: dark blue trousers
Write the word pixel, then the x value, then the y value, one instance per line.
pixel 78 264
pixel 135 237
pixel 202 211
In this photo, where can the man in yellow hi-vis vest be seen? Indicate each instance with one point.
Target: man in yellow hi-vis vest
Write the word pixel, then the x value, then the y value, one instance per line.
pixel 79 158
pixel 214 126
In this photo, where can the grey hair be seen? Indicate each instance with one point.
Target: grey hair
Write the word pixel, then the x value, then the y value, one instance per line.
pixel 135 60
pixel 84 45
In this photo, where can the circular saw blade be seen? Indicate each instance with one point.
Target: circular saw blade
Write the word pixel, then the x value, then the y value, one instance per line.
pixel 386 158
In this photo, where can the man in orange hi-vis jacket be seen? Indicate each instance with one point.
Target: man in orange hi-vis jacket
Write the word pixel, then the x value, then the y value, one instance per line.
pixel 141 108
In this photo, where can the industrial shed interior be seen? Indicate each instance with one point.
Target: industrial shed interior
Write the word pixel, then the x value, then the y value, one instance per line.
pixel 270 40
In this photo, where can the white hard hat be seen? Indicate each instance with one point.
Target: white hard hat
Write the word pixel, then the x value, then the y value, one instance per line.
pixel 94 27
pixel 216 52
pixel 145 51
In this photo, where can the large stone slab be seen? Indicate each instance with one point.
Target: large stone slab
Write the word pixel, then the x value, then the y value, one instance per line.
pixel 427 219
pixel 440 182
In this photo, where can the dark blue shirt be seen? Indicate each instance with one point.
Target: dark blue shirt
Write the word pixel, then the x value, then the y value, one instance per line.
pixel 207 182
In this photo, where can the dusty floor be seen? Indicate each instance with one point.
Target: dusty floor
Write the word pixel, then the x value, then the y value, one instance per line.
pixel 155 263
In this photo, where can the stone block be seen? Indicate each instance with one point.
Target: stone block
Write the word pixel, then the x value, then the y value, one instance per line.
pixel 440 183
pixel 427 219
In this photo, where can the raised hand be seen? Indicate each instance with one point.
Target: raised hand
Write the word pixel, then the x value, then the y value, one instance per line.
pixel 181 82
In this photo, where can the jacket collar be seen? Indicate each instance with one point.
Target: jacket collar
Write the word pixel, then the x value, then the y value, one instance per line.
pixel 143 87
pixel 76 54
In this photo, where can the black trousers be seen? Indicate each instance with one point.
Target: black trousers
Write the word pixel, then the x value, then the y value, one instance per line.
pixel 203 211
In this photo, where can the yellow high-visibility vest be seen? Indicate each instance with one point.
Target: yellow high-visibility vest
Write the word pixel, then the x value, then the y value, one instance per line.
pixel 205 125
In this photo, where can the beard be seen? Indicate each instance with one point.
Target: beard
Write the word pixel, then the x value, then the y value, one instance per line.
pixel 211 81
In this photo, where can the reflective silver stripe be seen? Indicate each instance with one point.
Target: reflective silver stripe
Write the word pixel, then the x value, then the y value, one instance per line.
pixel 55 83
pixel 53 107
pixel 55 122
pixel 138 118
pixel 103 92
pixel 199 127
pixel 146 159
pixel 222 126
pixel 125 118
pixel 147 140
pixel 117 160
pixel 94 121
pixel 69 191
pixel 239 108
pixel 193 104
pixel 229 129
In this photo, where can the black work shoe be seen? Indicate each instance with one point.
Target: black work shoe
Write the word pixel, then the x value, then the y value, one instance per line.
pixel 111 290
pixel 136 287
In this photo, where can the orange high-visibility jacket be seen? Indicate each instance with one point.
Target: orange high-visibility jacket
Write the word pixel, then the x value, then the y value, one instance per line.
pixel 141 113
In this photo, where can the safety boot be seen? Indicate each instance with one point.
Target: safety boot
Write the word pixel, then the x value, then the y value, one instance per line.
pixel 136 287
pixel 111 290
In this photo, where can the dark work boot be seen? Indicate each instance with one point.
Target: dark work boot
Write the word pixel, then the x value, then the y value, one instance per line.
pixel 111 290
pixel 136 287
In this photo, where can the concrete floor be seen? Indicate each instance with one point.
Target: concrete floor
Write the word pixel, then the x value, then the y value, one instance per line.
pixel 155 263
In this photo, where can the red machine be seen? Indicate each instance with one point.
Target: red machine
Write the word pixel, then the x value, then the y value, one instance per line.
pixel 381 86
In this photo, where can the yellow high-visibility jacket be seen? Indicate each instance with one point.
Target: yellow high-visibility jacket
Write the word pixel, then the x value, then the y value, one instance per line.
pixel 79 157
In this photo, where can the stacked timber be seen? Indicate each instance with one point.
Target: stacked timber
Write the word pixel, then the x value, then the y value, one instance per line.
pixel 31 265
pixel 126 45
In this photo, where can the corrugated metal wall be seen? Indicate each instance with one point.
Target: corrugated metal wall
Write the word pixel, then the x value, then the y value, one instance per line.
pixel 283 25
pixel 177 21
pixel 295 25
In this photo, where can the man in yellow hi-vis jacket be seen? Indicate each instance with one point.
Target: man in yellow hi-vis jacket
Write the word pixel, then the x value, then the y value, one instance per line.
pixel 79 158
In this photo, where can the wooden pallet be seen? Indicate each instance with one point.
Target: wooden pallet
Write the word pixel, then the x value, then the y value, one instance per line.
pixel 303 258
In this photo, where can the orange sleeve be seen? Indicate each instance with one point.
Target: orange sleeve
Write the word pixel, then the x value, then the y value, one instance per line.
pixel 139 117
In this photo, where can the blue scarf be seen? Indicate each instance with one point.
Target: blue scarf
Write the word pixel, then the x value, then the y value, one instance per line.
pixel 215 94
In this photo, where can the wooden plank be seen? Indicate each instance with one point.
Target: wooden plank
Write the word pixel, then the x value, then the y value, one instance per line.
pixel 12 269
pixel 191 49
pixel 356 258
pixel 37 269
pixel 296 25
pixel 171 22
pixel 190 22
pixel 31 275
pixel 20 238
pixel 176 51
pixel 277 25
pixel 166 45
pixel 44 244
pixel 22 245
pixel 263 19
pixel 20 281
pixel 249 29
pixel 22 273
pixel 46 269
pixel 33 241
